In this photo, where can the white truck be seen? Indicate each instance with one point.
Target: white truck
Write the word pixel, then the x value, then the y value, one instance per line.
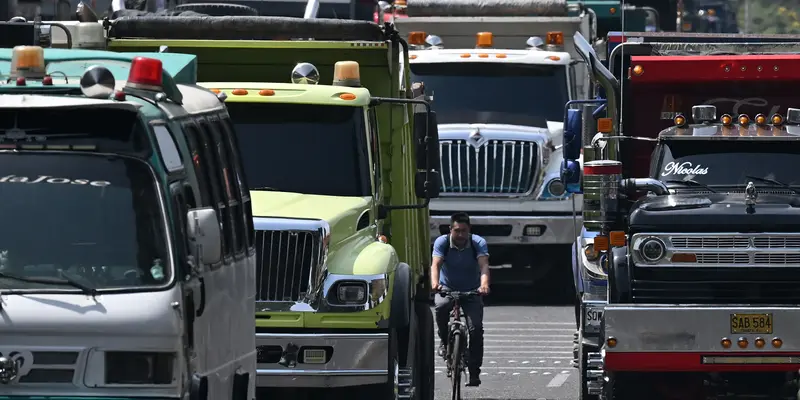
pixel 499 92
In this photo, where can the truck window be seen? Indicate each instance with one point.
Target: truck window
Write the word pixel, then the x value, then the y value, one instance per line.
pixel 244 193
pixel 729 162
pixel 231 186
pixel 303 148
pixel 96 219
pixel 519 94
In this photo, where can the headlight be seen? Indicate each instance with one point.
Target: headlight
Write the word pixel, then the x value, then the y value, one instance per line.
pixel 556 187
pixel 351 293
pixel 652 249
pixel 590 253
pixel 139 368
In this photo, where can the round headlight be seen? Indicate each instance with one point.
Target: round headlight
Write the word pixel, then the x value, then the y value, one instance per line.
pixel 652 250
pixel 556 187
pixel 590 253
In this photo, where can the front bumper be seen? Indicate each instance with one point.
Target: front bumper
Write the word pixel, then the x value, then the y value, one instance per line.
pixel 354 359
pixel 689 338
pixel 511 229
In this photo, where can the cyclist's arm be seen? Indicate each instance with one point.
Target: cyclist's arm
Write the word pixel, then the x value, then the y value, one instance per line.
pixel 483 262
pixel 439 248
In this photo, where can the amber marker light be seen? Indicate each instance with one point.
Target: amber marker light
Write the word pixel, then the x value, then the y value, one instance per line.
pixel 760 342
pixel 742 342
pixel 777 119
pixel 761 119
pixel 680 120
pixel 777 343
pixel 347 96
pixel 726 119
pixel 239 92
pixel 611 342
pixel 726 343
pixel 638 70
pixel 266 92
pixel 744 119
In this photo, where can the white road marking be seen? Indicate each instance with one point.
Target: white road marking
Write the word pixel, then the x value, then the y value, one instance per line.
pixel 558 380
pixel 437 371
pixel 502 372
pixel 534 372
pixel 526 362
pixel 515 373
pixel 546 373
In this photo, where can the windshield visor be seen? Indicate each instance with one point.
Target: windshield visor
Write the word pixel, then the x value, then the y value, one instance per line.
pixel 728 163
pixel 498 93
pixel 95 218
pixel 303 148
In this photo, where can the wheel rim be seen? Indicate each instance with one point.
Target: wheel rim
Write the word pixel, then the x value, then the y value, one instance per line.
pixel 396 380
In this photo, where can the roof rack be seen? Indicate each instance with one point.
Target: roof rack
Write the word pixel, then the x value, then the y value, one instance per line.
pixel 244 28
pixel 487 8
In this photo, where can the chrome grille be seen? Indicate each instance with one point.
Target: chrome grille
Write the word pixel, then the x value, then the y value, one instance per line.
pixel 723 258
pixel 286 261
pixel 504 167
pixel 705 242
pixel 777 242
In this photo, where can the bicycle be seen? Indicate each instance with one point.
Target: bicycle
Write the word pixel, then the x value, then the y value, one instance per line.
pixel 457 354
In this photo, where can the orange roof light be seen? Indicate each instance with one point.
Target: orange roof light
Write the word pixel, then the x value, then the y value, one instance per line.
pixel 347 96
pixel 215 90
pixel 553 58
pixel 465 55
pixel 266 92
pixel 347 73
pixel 416 38
pixel 484 40
pixel 483 55
pixel 27 61
pixel 555 38
pixel 239 92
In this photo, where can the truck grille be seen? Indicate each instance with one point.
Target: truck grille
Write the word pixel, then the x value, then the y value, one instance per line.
pixel 735 269
pixel 499 167
pixel 49 367
pixel 285 261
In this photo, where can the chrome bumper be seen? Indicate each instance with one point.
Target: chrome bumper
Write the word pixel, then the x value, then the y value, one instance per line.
pixel 690 338
pixel 555 229
pixel 357 359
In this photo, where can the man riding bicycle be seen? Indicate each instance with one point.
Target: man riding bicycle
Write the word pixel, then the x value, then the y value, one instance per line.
pixel 461 263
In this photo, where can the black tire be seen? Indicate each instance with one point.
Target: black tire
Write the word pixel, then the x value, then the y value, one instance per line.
pixel 455 364
pixel 219 9
pixel 425 358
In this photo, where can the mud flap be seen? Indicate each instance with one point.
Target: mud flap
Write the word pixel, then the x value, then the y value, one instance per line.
pixel 198 389
pixel 241 382
pixel 425 357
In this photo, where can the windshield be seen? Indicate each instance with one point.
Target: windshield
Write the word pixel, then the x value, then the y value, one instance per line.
pixel 95 219
pixel 728 163
pixel 303 148
pixel 500 93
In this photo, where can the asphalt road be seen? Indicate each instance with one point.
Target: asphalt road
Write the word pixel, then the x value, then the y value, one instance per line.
pixel 527 356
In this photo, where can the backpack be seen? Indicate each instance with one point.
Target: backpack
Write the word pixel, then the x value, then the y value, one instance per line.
pixel 474 247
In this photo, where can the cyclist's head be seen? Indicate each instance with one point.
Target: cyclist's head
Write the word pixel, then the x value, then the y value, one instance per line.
pixel 460 228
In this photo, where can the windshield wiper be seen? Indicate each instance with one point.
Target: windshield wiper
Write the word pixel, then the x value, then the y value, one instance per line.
pixel 691 182
pixel 271 189
pixel 774 182
pixel 68 280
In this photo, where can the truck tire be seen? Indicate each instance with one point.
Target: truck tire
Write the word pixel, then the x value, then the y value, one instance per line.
pixel 219 9
pixel 425 358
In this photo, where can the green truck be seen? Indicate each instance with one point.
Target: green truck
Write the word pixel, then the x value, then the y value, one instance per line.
pixel 334 150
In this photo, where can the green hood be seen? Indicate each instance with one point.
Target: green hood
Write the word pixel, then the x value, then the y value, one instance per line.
pixel 341 213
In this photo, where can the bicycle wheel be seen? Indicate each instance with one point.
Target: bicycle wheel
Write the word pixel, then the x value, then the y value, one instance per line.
pixel 455 365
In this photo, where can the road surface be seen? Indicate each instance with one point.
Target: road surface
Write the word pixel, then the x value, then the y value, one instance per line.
pixel 528 355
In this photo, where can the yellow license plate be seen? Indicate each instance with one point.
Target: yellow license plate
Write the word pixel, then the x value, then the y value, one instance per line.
pixel 751 323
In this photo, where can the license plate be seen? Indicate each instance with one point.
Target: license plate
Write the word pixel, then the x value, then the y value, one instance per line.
pixel 751 323
pixel 314 356
pixel 593 318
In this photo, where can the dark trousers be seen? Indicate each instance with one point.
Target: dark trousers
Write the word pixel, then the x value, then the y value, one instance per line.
pixel 473 311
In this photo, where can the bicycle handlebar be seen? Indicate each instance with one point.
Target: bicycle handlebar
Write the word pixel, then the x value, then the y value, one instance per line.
pixel 453 293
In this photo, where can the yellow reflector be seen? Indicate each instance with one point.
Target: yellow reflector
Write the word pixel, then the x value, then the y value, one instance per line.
pixel 555 38
pixel 239 92
pixel 777 343
pixel 760 342
pixel 483 55
pixel 554 58
pixel 416 38
pixel 612 342
pixel 638 70
pixel 347 96
pixel 413 56
pixel 605 125
pixel 761 119
pixel 726 119
pixel 465 55
pixel 612 10
pixel 616 238
pixel 744 119
pixel 680 120
pixel 777 119
pixel 27 60
pixel 726 343
pixel 601 243
pixel 484 39
pixel 742 343
pixel 500 55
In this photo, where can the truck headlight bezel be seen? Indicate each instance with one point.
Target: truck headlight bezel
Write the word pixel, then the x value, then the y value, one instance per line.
pixel 351 292
pixel 658 246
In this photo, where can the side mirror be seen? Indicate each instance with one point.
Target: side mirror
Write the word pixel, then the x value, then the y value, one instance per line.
pixel 424 188
pixel 571 175
pixel 204 231
pixel 432 133
pixel 573 134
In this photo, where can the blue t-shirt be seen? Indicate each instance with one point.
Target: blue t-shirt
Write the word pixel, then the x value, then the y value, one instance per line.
pixel 460 270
